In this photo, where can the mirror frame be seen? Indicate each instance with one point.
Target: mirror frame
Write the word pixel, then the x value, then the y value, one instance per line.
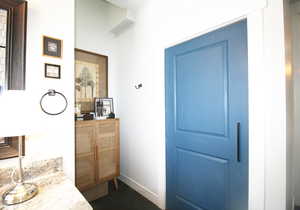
pixel 16 44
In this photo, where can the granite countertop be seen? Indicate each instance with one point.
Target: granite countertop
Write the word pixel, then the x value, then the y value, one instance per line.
pixel 56 191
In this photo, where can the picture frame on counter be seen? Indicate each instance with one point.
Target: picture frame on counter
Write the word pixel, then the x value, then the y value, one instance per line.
pixel 103 107
pixel 52 71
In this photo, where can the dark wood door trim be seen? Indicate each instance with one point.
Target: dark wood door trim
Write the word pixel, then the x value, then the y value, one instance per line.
pixel 16 43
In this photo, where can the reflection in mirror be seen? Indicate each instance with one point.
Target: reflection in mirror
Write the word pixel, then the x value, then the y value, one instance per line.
pixel 13 25
pixel 3 43
pixel 3 142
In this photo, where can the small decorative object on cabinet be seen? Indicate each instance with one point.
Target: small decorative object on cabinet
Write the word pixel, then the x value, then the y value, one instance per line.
pixel 103 107
pixel 97 153
pixel 111 116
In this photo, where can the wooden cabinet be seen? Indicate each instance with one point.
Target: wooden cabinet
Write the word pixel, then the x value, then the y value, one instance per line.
pixel 97 152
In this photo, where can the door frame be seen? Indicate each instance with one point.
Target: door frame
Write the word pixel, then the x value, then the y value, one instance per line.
pixel 256 109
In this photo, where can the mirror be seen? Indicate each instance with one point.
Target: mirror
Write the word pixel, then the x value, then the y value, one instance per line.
pixel 3 34
pixel 13 17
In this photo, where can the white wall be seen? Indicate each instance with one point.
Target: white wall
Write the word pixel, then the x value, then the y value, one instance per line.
pixel 296 77
pixel 93 21
pixel 141 59
pixel 138 56
pixel 52 136
pixel 290 104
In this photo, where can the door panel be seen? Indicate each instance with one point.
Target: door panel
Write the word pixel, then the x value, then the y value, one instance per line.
pixel 210 104
pixel 206 97
pixel 195 186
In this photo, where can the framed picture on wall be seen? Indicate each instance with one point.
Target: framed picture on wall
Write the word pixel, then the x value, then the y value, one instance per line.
pixel 90 79
pixel 52 47
pixel 52 71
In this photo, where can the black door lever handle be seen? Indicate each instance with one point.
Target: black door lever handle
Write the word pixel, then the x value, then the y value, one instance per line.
pixel 238 141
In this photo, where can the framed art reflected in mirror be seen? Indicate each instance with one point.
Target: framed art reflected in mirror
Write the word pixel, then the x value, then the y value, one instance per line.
pixel 91 72
pixel 9 147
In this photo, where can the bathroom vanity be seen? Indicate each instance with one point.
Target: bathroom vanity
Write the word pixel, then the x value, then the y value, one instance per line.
pixel 56 191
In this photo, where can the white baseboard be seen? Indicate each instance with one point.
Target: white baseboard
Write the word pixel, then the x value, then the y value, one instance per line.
pixel 151 196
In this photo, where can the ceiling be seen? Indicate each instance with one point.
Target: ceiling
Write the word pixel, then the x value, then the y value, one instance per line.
pixel 129 4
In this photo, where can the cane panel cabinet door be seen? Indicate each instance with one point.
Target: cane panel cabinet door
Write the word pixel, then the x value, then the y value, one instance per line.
pixel 107 149
pixel 85 157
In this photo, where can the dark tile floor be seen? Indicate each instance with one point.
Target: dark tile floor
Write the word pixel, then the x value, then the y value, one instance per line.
pixel 123 199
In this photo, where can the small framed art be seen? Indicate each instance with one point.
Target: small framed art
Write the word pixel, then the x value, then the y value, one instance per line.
pixel 52 71
pixel 52 47
pixel 103 107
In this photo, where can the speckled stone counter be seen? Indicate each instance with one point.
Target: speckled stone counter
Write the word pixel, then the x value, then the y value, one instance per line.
pixel 56 191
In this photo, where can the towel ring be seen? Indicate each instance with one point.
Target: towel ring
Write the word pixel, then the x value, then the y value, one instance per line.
pixel 53 93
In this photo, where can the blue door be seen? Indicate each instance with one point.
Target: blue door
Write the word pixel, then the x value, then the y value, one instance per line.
pixel 207 121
